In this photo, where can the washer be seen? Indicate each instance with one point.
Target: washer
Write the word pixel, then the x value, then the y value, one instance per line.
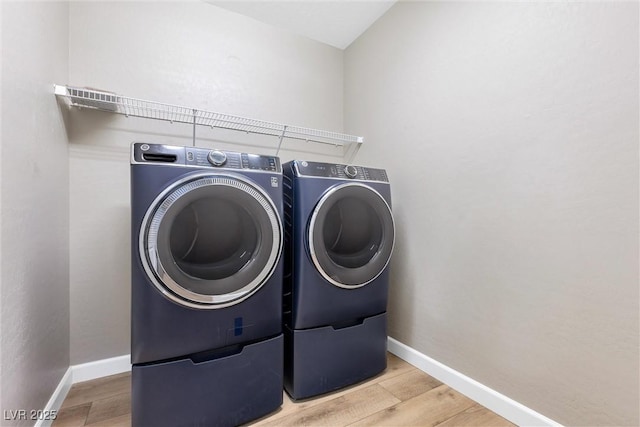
pixel 206 286
pixel 339 237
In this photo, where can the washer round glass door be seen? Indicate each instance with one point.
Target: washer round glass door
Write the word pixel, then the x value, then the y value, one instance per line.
pixel 211 241
pixel 351 235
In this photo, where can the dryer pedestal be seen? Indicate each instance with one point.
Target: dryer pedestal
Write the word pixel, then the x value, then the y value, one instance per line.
pixel 227 390
pixel 324 359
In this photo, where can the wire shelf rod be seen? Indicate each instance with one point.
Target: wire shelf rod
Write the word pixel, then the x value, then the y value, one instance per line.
pixel 134 107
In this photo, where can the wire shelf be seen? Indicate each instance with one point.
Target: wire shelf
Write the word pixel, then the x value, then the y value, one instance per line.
pixel 133 107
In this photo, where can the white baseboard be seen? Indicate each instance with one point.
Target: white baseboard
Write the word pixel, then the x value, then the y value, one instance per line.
pixel 57 398
pixel 502 405
pixel 507 408
pixel 101 368
pixel 79 373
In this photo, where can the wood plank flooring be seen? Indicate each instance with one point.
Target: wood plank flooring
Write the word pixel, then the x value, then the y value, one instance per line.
pixel 401 396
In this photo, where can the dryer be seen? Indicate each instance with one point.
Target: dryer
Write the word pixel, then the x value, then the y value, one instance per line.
pixel 206 286
pixel 339 237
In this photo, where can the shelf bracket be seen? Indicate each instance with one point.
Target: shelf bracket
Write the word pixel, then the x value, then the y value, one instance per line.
pixel 350 150
pixel 194 126
pixel 284 130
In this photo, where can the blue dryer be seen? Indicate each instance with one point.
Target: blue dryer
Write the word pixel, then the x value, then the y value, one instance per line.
pixel 206 286
pixel 339 237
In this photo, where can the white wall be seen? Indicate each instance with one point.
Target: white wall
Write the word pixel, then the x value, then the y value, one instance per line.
pixel 1 104
pixel 34 198
pixel 510 132
pixel 192 54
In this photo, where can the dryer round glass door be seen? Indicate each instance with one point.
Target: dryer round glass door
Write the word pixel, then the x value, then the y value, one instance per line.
pixel 351 235
pixel 210 241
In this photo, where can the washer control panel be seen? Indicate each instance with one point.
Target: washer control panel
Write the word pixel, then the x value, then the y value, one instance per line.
pixel 339 171
pixel 202 157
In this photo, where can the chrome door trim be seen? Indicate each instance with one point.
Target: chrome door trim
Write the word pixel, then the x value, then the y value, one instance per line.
pixel 312 250
pixel 153 218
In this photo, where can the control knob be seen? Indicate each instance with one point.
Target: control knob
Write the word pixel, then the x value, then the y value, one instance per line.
pixel 217 158
pixel 351 171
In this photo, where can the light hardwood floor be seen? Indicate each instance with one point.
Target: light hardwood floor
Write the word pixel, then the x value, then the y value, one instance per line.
pixel 400 396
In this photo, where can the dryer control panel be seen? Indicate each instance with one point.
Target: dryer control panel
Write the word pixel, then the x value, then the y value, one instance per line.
pixel 202 157
pixel 339 171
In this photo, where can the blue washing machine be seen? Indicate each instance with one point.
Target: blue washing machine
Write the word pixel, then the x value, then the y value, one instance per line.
pixel 339 237
pixel 206 286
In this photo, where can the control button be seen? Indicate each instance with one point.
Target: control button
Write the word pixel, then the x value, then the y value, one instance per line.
pixel 190 156
pixel 351 171
pixel 144 147
pixel 217 158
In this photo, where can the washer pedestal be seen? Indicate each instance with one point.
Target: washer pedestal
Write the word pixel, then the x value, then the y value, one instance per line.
pixel 324 359
pixel 226 390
